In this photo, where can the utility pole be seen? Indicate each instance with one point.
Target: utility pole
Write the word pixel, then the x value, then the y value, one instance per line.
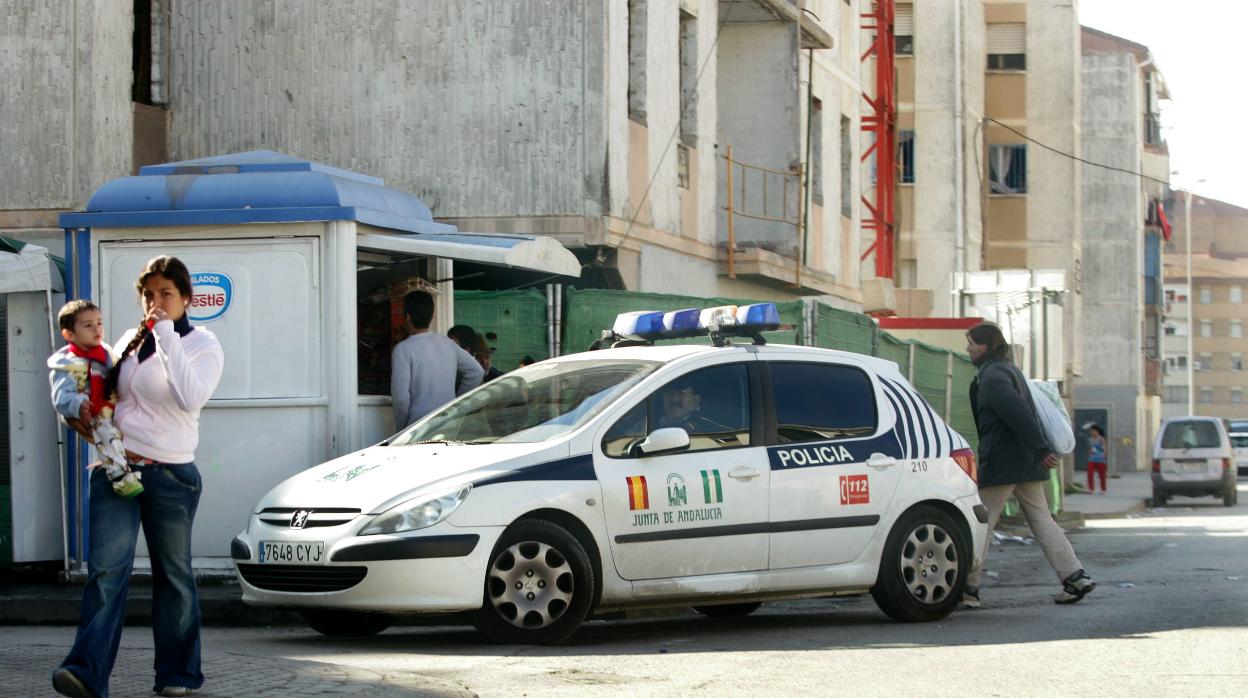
pixel 1191 315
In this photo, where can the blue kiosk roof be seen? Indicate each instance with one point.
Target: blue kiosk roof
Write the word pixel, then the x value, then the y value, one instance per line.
pixel 260 186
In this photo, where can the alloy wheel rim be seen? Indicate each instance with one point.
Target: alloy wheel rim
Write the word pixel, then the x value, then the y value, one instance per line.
pixel 929 564
pixel 530 585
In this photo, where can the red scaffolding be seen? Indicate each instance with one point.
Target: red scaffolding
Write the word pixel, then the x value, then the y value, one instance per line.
pixel 881 121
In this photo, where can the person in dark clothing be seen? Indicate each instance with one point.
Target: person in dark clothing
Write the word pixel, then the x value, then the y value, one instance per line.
pixel 1015 459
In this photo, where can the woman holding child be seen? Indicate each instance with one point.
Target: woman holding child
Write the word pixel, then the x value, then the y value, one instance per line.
pixel 163 377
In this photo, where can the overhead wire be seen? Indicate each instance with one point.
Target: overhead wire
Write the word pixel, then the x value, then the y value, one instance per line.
pixel 1063 153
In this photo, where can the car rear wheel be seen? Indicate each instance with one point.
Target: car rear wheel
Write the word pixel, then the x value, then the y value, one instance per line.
pixel 539 585
pixel 346 623
pixel 924 567
pixel 729 610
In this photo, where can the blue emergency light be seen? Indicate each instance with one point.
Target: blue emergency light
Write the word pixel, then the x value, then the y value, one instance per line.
pixel 718 322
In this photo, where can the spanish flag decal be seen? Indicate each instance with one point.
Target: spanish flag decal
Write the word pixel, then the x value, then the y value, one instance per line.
pixel 638 494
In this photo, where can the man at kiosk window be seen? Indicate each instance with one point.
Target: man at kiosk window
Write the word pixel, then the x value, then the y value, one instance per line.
pixel 427 370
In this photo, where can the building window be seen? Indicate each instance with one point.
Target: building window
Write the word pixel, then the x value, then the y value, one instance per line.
pixel 1206 295
pixel 847 168
pixel 905 158
pixel 1169 330
pixel 1182 298
pixel 1237 328
pixel 1205 362
pixel 816 151
pixel 1206 396
pixel 1237 396
pixel 1237 294
pixel 637 60
pixel 688 79
pixel 1176 394
pixel 1237 361
pixel 1007 168
pixel 1206 328
pixel 903 29
pixel 1007 46
pixel 1181 361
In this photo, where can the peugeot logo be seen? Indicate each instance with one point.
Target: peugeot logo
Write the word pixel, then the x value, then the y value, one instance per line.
pixel 300 519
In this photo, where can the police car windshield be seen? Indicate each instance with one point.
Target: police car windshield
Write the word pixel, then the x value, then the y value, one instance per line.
pixel 532 404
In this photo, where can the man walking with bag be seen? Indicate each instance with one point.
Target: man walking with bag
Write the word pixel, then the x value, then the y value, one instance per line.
pixel 1015 459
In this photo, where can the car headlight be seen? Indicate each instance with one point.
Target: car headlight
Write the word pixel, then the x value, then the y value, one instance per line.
pixel 417 513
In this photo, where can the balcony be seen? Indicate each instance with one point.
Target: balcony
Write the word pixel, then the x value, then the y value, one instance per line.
pixel 1152 133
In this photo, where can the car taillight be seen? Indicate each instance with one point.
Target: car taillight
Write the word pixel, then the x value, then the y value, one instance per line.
pixel 965 458
pixel 1156 466
pixel 1226 463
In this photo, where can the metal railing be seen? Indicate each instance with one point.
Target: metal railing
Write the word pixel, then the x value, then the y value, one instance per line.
pixel 789 184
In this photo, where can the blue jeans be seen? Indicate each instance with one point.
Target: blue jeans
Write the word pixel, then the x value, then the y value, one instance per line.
pixel 166 509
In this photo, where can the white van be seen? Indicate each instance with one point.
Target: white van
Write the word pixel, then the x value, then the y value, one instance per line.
pixel 1193 458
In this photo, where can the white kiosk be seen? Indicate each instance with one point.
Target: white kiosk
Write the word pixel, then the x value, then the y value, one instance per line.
pixel 299 269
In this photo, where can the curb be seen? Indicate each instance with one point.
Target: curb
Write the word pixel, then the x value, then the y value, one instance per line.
pixel 1133 509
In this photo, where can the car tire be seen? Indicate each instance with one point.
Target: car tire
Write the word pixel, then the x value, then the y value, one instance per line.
pixel 728 610
pixel 1159 499
pixel 346 623
pixel 923 571
pixel 538 588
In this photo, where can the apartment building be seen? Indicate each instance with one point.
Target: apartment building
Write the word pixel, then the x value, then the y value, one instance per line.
pixel 602 124
pixel 1123 229
pixel 976 78
pixel 1219 278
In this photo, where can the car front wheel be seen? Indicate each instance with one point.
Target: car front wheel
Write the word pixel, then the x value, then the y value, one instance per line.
pixel 539 585
pixel 923 571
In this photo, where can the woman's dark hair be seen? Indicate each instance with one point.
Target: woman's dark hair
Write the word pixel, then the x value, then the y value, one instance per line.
pixel 989 335
pixel 1098 429
pixel 170 268
pixel 463 335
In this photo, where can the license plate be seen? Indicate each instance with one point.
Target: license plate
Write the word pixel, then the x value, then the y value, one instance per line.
pixel 1192 466
pixel 282 553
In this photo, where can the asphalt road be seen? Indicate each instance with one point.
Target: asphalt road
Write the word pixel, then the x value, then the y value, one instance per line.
pixel 1170 617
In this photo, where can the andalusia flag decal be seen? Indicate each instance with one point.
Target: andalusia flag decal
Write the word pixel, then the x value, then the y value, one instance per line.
pixel 711 489
pixel 638 495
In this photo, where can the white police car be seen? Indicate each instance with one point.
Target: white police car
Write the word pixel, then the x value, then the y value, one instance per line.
pixel 716 477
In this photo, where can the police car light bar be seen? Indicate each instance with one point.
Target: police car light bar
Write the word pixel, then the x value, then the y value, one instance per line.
pixel 718 322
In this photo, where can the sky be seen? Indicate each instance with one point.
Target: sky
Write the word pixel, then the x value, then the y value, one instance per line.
pixel 1199 47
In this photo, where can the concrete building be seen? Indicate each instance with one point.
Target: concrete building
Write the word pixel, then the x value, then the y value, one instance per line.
pixel 603 124
pixel 1121 385
pixel 1218 342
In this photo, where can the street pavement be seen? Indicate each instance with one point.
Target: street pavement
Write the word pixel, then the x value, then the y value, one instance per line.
pixel 1170 617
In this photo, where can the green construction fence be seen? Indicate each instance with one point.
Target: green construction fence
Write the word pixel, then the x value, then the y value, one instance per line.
pixel 518 318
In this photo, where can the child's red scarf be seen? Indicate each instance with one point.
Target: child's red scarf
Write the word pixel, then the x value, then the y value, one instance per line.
pixel 97 399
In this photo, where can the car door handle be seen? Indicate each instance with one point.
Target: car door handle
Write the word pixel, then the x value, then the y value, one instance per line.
pixel 879 461
pixel 744 474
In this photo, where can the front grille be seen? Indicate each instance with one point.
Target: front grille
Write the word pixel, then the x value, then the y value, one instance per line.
pixel 317 518
pixel 301 578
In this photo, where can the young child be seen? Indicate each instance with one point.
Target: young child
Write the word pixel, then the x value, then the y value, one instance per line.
pixel 78 372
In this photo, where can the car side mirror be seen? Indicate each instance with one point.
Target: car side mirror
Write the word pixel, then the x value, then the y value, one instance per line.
pixel 662 441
